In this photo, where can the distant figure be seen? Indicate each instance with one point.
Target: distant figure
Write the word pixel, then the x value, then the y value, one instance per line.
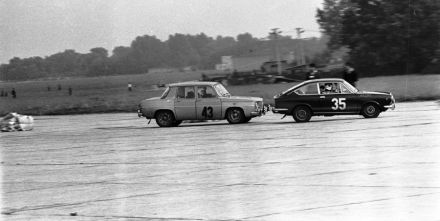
pixel 2 94
pixel 70 91
pixel 59 87
pixel 48 88
pixel 130 87
pixel 313 72
pixel 204 77
pixel 350 75
pixel 13 93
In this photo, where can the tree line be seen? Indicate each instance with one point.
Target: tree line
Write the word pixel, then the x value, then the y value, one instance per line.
pixel 385 36
pixel 382 37
pixel 146 52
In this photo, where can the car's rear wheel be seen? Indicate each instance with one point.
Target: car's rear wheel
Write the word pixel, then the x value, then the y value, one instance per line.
pixel 370 110
pixel 235 116
pixel 302 114
pixel 165 119
pixel 247 119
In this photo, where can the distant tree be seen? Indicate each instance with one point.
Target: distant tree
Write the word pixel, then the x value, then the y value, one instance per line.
pixel 390 36
pixel 183 52
pixel 148 52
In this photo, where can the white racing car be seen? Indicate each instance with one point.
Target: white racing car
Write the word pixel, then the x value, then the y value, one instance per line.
pixel 199 101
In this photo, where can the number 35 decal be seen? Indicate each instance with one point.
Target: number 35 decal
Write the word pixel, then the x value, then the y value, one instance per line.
pixel 339 104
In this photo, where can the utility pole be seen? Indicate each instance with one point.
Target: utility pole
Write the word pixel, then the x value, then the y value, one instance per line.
pixel 275 34
pixel 302 59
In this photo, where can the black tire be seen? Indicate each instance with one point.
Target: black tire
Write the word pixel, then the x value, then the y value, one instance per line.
pixel 370 110
pixel 165 119
pixel 302 114
pixel 177 123
pixel 235 116
pixel 247 119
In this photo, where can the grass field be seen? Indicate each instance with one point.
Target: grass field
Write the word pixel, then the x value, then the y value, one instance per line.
pixel 110 94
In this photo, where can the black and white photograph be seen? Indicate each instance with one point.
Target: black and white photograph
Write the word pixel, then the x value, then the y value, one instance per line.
pixel 231 110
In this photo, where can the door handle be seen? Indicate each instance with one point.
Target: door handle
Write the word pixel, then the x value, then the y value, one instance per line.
pixel 321 96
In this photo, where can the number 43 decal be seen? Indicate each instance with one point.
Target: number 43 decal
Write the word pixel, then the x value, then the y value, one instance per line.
pixel 339 104
pixel 207 112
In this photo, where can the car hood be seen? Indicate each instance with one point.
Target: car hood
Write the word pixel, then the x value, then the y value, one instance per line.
pixel 152 99
pixel 374 93
pixel 241 98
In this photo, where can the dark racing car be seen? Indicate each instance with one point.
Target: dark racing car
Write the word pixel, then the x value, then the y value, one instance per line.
pixel 330 97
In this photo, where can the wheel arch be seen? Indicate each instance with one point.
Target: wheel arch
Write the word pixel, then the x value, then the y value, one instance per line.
pixel 371 102
pixel 159 110
pixel 229 108
pixel 299 105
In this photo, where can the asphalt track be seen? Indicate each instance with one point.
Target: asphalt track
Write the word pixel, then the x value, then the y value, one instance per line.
pixel 116 167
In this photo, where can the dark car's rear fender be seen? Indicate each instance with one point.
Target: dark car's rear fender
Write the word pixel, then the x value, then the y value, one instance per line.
pixel 300 104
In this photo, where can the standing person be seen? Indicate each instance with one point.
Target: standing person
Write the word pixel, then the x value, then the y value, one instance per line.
pixel 130 87
pixel 313 72
pixel 3 93
pixel 70 91
pixel 13 93
pixel 350 75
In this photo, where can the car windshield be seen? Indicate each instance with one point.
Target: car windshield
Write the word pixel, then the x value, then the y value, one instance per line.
pixel 165 93
pixel 350 87
pixel 221 90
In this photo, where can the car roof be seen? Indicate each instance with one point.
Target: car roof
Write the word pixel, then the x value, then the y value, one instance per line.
pixel 316 81
pixel 324 79
pixel 193 83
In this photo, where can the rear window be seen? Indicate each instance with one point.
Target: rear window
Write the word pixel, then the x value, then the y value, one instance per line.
pixel 308 89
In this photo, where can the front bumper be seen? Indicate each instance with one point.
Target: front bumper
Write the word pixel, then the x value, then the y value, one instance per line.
pixel 140 114
pixel 392 105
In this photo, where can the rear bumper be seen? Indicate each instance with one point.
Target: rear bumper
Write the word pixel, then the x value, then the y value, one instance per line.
pixel 279 110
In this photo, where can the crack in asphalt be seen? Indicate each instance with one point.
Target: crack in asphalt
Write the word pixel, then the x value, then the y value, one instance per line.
pixel 10 211
pixel 340 205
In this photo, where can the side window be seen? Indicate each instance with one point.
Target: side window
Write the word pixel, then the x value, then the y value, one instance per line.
pixel 185 92
pixel 205 92
pixel 307 89
pixel 329 88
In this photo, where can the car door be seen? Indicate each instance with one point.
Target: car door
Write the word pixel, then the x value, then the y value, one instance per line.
pixel 208 104
pixel 338 100
pixel 185 103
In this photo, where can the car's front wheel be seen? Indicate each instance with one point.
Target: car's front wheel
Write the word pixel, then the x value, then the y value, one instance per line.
pixel 370 110
pixel 235 116
pixel 177 123
pixel 302 114
pixel 165 119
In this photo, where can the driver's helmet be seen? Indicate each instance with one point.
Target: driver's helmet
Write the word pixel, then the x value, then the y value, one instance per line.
pixel 328 87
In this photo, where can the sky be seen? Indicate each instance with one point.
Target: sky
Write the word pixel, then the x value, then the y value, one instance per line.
pixel 43 27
